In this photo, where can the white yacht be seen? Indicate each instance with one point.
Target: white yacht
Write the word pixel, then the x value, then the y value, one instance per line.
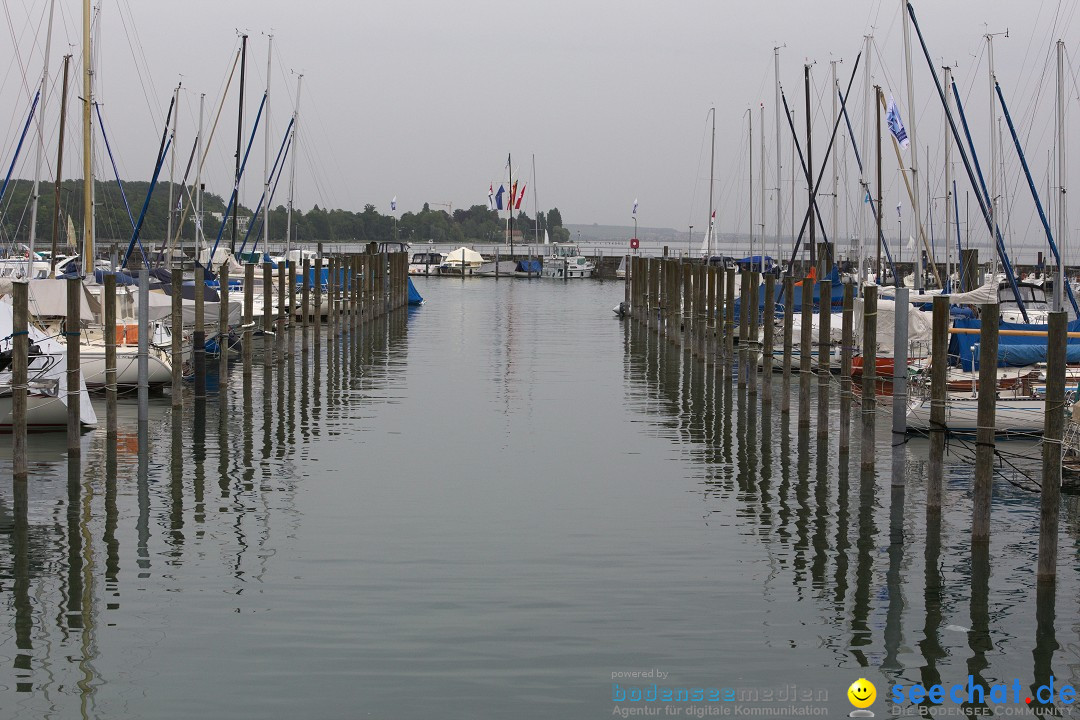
pixel 566 262
pixel 426 263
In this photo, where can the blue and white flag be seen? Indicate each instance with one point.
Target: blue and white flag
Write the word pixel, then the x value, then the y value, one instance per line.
pixel 896 125
pixel 634 211
pixel 498 198
pixel 393 204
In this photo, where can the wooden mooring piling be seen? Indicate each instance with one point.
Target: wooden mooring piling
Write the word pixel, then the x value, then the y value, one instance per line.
pixel 713 313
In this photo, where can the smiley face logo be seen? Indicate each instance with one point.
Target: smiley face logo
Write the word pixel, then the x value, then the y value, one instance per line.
pixel 862 693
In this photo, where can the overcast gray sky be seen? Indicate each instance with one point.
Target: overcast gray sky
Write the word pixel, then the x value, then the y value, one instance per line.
pixel 424 100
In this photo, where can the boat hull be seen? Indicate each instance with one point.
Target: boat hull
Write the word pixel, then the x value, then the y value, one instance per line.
pixel 92 364
pixel 1018 416
pixel 44 413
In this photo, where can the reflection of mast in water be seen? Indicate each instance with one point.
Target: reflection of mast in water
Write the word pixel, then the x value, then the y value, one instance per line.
pixel 802 509
pixel 508 327
pixel 843 542
pixel 783 513
pixel 821 514
pixel 89 627
pixel 245 486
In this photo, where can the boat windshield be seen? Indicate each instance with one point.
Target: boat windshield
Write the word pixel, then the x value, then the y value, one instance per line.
pixel 1029 294
pixel 566 251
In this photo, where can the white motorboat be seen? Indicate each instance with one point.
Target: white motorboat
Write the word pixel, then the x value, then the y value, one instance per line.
pixel 566 262
pixel 426 263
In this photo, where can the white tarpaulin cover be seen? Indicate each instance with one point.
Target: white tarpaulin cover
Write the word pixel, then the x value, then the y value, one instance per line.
pixel 920 324
pixel 987 293
pixel 48 299
pixel 464 255
pixel 160 307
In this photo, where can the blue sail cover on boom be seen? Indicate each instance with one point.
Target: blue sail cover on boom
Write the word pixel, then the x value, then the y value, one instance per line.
pixel 1013 350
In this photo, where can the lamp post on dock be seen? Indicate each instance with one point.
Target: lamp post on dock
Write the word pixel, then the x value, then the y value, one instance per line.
pixel 689 240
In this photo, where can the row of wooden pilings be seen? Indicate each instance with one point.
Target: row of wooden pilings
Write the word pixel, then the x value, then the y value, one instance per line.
pixel 359 288
pixel 693 305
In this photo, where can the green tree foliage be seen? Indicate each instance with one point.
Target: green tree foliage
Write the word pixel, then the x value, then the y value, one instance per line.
pixel 476 224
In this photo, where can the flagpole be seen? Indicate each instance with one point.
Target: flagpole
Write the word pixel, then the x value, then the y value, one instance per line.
pixel 536 207
pixel 712 170
pixel 510 206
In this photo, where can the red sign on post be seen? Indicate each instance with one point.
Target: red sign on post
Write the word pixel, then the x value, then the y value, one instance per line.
pixel 633 243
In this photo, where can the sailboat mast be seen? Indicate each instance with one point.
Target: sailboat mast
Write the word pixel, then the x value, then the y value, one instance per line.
pixel 750 177
pixel 198 182
pixel 761 174
pixel 292 165
pixel 239 138
pixel 809 165
pixel 835 171
pixel 59 165
pixel 266 148
pixel 877 214
pixel 1059 281
pixel 993 151
pixel 712 180
pixel 779 169
pixel 509 210
pixel 172 168
pixel 864 178
pixel 40 148
pixel 948 185
pixel 914 144
pixel 88 171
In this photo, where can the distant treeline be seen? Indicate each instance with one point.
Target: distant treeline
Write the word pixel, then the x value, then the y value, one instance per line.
pixel 477 224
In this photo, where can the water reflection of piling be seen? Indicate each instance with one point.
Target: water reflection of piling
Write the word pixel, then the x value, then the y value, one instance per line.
pixel 824 364
pixel 767 342
pixel 846 351
pixel 719 409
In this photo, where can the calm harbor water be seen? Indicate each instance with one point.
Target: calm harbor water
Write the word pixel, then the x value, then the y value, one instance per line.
pixel 496 507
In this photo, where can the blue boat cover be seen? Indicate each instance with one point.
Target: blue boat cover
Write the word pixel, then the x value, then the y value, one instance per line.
pixel 1013 350
pixel 121 278
pixel 414 296
pixel 530 266
pixel 837 299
